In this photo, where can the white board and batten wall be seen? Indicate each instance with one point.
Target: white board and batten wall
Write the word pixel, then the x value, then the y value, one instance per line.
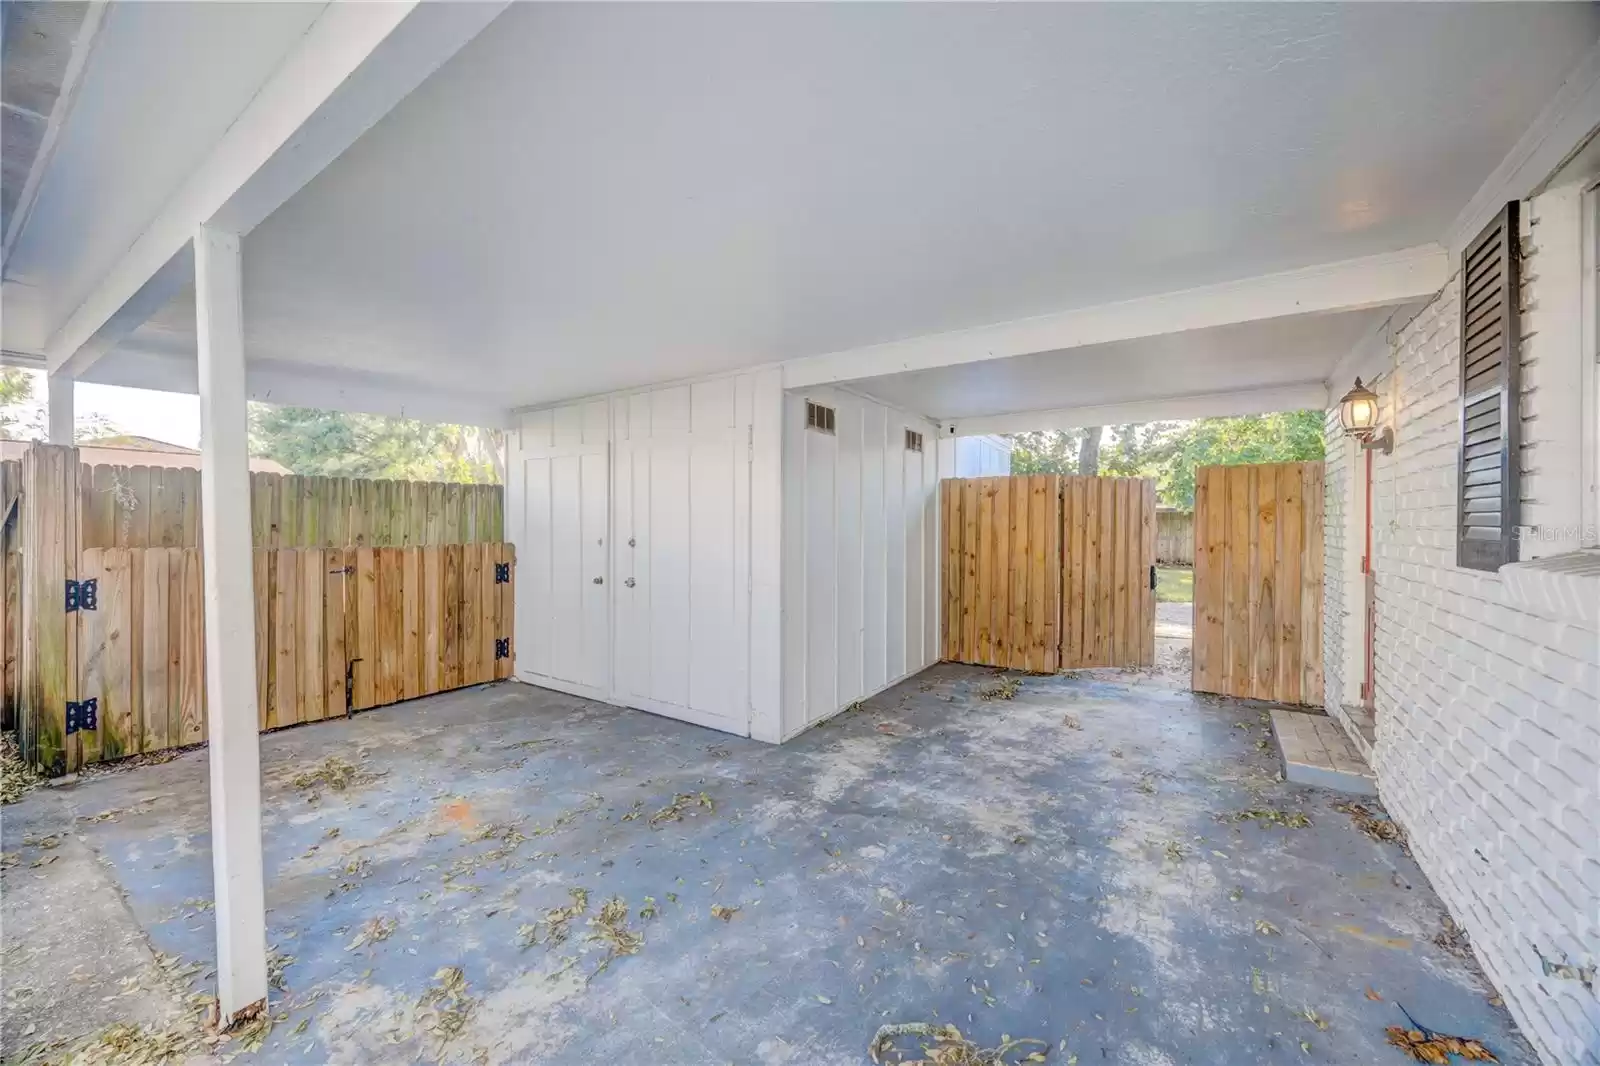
pixel 860 579
pixel 636 519
pixel 696 551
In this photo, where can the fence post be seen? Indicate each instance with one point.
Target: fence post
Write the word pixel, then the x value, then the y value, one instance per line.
pixel 48 521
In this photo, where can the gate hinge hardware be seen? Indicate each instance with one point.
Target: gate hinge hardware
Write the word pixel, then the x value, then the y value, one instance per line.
pixel 502 647
pixel 502 573
pixel 83 595
pixel 83 714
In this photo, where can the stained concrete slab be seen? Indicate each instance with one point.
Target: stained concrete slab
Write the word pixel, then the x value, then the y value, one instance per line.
pixel 1068 865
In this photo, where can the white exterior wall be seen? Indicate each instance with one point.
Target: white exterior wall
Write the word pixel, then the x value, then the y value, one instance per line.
pixel 988 456
pixel 1488 715
pixel 719 667
pixel 860 579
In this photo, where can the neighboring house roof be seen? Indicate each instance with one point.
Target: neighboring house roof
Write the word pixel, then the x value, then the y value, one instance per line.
pixel 130 450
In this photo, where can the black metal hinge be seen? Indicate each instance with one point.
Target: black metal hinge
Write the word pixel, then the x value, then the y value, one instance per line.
pixel 83 715
pixel 1152 579
pixel 83 595
pixel 502 647
pixel 502 573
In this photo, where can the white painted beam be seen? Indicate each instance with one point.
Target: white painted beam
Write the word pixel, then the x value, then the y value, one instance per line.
pixel 352 67
pixel 232 728
pixel 1347 285
pixel 1310 394
pixel 59 391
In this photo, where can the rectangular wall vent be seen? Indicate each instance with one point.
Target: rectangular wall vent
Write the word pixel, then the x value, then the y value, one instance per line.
pixel 819 418
pixel 913 441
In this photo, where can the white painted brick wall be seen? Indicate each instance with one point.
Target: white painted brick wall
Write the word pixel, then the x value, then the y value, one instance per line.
pixel 1488 718
pixel 1341 602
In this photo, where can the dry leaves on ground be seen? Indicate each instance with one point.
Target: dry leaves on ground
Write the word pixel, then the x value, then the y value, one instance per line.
pixel 17 778
pixel 1005 689
pixel 943 1045
pixel 1373 824
pixel 1269 816
pixel 1436 1048
pixel 333 774
pixel 724 913
pixel 683 802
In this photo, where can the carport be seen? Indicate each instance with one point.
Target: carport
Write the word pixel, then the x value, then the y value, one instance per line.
pixel 737 280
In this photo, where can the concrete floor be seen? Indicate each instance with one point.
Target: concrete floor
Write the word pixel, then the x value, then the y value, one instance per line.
pixel 1062 866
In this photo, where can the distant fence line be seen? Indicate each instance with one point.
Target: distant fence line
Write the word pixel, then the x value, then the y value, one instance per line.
pixel 1175 537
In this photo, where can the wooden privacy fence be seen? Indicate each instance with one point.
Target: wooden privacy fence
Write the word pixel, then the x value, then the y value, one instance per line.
pixel 1108 578
pixel 1258 581
pixel 1175 537
pixel 159 507
pixel 338 627
pixel 337 630
pixel 1042 573
pixel 1002 571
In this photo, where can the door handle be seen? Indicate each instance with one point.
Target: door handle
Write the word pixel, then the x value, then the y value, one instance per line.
pixel 628 582
pixel 599 581
pixel 1152 579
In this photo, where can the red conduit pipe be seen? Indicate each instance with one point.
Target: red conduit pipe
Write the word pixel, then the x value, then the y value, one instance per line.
pixel 1367 694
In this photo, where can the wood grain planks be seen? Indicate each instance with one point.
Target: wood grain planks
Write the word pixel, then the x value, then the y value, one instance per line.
pixel 1108 546
pixel 1258 581
pixel 1001 571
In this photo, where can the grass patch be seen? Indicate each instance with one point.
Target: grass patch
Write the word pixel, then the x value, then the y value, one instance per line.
pixel 1174 584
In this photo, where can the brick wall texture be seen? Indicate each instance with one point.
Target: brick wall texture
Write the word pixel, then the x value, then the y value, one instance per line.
pixel 1488 718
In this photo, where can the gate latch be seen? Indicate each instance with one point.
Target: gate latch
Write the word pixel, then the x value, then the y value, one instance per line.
pixel 83 715
pixel 1152 579
pixel 83 595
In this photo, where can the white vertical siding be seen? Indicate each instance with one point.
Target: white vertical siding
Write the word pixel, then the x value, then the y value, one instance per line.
pixel 692 474
pixel 859 559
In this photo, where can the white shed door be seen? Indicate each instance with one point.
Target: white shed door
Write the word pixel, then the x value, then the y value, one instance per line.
pixel 682 565
pixel 563 593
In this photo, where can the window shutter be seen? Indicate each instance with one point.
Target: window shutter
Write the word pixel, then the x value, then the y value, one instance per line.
pixel 1488 493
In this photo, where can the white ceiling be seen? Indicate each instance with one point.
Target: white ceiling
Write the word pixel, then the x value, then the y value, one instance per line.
pixel 1250 355
pixel 591 197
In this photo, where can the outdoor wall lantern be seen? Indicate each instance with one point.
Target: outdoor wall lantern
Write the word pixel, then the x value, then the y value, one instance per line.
pixel 1358 414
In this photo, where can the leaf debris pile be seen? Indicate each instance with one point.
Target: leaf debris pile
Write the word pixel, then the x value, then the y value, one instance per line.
pixel 1270 816
pixel 1005 689
pixel 445 1007
pixel 333 774
pixel 17 778
pixel 682 803
pixel 1425 1045
pixel 555 921
pixel 611 929
pixel 943 1045
pixel 379 928
pixel 1374 825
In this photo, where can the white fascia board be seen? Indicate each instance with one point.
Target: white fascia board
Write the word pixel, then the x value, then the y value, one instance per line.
pixel 1310 394
pixel 1561 129
pixel 1347 285
pixel 354 64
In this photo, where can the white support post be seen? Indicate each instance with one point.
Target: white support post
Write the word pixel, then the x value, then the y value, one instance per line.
pixel 230 629
pixel 59 389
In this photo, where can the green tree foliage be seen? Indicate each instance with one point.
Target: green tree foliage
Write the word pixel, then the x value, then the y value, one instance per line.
pixel 21 414
pixel 1170 451
pixel 22 410
pixel 337 444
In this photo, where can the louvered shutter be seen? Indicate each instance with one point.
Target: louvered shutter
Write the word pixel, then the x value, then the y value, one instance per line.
pixel 1488 490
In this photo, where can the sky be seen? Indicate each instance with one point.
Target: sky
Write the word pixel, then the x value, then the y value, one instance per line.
pixel 170 416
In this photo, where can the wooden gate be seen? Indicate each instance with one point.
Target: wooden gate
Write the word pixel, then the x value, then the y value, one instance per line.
pixel 1002 571
pixel 336 630
pixel 1258 581
pixel 1108 599
pixel 1043 573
